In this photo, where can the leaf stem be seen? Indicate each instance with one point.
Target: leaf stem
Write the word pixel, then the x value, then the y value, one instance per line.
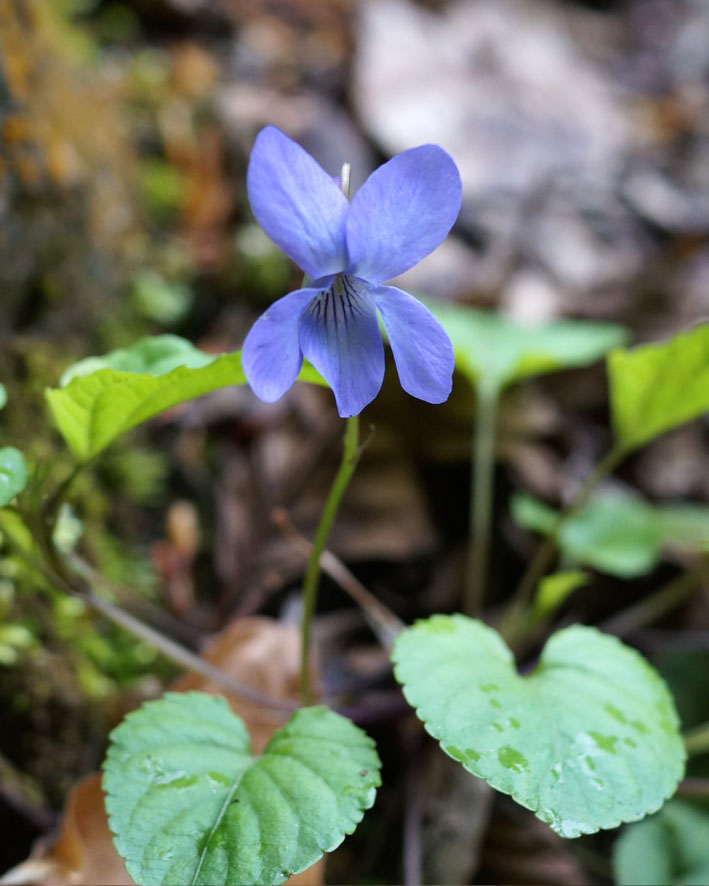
pixel 696 741
pixel 350 457
pixel 481 496
pixel 514 614
pixel 657 604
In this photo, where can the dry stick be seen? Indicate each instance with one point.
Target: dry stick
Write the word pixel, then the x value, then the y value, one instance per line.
pixel 693 787
pixel 384 624
pixel 126 596
pixel 60 577
pixel 183 656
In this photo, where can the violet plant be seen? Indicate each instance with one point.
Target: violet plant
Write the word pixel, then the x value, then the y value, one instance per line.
pixel 588 739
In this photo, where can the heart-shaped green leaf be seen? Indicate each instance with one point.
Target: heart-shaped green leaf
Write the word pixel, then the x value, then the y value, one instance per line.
pixel 189 803
pixel 105 396
pixel 498 351
pixel 654 388
pixel 13 474
pixel 618 533
pixel 586 741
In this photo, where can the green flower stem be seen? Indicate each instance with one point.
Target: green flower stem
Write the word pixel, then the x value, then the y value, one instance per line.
pixel 696 741
pixel 514 616
pixel 350 457
pixel 481 496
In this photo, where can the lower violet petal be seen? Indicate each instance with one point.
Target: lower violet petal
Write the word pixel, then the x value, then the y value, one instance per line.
pixel 271 356
pixel 422 350
pixel 339 335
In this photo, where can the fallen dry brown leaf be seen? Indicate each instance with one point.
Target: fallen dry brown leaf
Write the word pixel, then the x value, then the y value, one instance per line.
pixel 259 652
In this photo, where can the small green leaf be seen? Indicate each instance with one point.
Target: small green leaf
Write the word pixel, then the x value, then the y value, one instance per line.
pixel 13 474
pixel 654 388
pixel 189 803
pixel 554 589
pixel 160 299
pixel 586 741
pixel 3 396
pixel 152 355
pixel 670 847
pixel 105 396
pixel 497 350
pixel 619 534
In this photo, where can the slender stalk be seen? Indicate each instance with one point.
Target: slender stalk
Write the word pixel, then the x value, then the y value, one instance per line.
pixel 696 741
pixel 693 787
pixel 657 604
pixel 481 497
pixel 546 551
pixel 350 456
pixel 384 624
pixel 50 507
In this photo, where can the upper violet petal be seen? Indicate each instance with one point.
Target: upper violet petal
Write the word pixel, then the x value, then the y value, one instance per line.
pixel 297 204
pixel 340 336
pixel 402 212
pixel 422 350
pixel 271 356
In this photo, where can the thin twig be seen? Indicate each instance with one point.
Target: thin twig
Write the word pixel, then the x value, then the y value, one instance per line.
pixel 76 586
pixel 125 595
pixel 182 656
pixel 693 787
pixel 385 625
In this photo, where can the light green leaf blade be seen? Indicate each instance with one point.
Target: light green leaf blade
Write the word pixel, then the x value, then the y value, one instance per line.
pixel 684 527
pixel 13 474
pixel 654 388
pixel 619 534
pixel 554 589
pixel 151 355
pixel 615 533
pixel 3 396
pixel 586 741
pixel 189 803
pixel 670 847
pixel 498 351
pixel 105 396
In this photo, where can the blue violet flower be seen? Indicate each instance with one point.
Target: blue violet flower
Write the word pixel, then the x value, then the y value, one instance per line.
pixel 348 250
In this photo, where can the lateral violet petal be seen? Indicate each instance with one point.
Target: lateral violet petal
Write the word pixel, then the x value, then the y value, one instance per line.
pixel 402 212
pixel 340 336
pixel 271 356
pixel 422 350
pixel 297 204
